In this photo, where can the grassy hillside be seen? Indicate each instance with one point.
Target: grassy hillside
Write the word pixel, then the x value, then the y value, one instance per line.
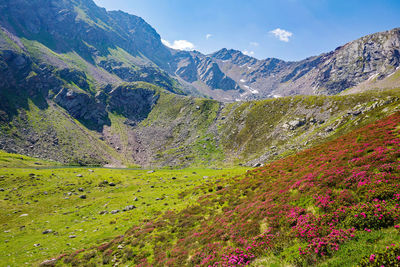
pixel 258 131
pixel 8 160
pixel 185 131
pixel 333 205
pixel 51 133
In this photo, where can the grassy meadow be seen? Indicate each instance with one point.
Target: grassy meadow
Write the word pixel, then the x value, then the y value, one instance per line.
pixel 50 210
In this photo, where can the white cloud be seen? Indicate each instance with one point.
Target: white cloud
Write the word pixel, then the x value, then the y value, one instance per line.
pixel 254 44
pixel 281 34
pixel 208 36
pixel 179 44
pixel 248 53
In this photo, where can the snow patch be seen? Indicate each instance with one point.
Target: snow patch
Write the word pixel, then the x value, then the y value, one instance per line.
pixel 242 80
pixel 373 77
pixel 390 74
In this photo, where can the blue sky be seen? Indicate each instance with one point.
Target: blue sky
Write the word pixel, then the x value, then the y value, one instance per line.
pixel 285 29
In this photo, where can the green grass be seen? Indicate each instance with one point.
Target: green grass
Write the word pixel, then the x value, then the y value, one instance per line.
pixel 42 193
pixel 8 160
pixel 353 251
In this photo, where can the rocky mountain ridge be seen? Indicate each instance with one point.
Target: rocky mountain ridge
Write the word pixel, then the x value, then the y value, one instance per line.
pixel 116 47
pixel 375 56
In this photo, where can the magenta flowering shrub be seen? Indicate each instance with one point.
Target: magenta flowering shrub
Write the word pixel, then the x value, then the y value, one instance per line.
pixel 375 215
pixel 390 257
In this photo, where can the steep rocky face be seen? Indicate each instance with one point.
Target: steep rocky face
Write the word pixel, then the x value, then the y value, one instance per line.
pixel 210 73
pixel 132 102
pixel 196 67
pixel 373 56
pixel 123 45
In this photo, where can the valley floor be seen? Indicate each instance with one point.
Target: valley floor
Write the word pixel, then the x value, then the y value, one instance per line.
pixel 48 211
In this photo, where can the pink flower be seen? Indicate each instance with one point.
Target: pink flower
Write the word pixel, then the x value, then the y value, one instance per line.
pixel 372 258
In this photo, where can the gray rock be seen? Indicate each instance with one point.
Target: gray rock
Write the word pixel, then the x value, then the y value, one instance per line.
pixel 130 207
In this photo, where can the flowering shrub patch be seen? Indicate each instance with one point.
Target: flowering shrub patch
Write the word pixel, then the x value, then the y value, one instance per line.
pixel 390 257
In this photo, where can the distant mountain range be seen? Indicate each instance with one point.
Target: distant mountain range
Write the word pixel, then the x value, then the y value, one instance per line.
pixel 111 47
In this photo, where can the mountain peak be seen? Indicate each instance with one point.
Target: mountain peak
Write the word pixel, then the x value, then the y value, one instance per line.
pixel 227 54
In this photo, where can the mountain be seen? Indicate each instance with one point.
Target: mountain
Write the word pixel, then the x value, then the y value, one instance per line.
pixel 74 77
pixel 111 47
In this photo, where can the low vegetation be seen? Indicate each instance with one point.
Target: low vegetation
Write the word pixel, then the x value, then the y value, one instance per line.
pixel 51 210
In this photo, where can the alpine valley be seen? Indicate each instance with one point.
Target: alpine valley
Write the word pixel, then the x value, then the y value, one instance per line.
pixel 117 150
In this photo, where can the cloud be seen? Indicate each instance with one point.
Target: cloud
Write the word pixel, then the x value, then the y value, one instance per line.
pixel 248 53
pixel 179 44
pixel 254 44
pixel 281 34
pixel 208 36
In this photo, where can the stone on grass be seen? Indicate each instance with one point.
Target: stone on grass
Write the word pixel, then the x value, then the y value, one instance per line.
pixel 130 207
pixel 51 262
